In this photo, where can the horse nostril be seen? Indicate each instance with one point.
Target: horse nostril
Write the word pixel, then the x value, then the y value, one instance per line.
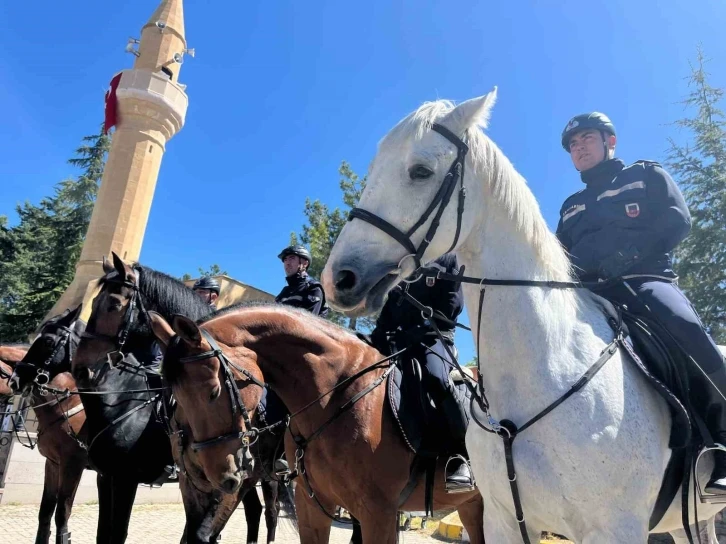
pixel 230 484
pixel 345 280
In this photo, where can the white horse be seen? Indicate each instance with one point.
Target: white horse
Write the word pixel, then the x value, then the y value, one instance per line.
pixel 592 468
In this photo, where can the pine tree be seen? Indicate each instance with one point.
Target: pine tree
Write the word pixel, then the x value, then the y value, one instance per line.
pixel 43 249
pixel 322 230
pixel 700 169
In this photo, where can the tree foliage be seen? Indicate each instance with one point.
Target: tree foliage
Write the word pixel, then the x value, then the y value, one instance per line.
pixel 322 229
pixel 699 166
pixel 38 256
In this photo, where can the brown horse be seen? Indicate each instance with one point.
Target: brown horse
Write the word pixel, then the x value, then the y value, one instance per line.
pixel 126 296
pixel 355 457
pixel 60 417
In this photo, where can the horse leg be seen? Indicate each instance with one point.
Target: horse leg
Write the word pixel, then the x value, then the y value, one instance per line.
pixel 104 485
pixel 196 506
pixel 471 514
pixel 313 524
pixel 70 476
pixel 253 514
pixel 269 493
pixel 500 527
pixel 124 493
pixel 48 502
pixel 379 525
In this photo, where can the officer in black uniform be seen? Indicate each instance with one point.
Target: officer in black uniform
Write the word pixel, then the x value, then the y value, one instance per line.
pixel 304 292
pixel 401 324
pixel 624 224
pixel 207 288
pixel 301 290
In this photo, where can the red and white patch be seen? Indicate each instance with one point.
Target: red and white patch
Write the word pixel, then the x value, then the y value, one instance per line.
pixel 632 210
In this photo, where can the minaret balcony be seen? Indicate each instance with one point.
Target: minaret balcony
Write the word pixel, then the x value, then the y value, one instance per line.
pixel 151 97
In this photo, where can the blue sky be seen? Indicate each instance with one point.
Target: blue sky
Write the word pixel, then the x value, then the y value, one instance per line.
pixel 281 92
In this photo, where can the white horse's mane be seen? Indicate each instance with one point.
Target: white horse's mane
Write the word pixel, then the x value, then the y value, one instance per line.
pixel 505 184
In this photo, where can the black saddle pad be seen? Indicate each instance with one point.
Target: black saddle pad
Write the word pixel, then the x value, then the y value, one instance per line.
pixel 421 423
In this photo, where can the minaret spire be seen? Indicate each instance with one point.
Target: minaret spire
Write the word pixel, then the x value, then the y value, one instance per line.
pixel 151 107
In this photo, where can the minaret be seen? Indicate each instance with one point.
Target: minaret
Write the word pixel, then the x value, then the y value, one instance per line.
pixel 151 107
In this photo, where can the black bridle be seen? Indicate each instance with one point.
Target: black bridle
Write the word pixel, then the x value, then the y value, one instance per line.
pixel 441 200
pixel 226 366
pixel 119 339
pixel 42 376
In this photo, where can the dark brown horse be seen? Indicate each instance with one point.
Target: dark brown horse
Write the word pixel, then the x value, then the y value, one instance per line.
pixel 353 457
pixel 48 362
pixel 105 364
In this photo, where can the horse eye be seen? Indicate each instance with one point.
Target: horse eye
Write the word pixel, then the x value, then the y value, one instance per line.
pixel 215 393
pixel 420 171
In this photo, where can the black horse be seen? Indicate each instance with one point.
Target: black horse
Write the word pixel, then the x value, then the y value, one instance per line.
pixel 129 420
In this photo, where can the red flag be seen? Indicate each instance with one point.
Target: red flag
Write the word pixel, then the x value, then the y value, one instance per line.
pixel 110 115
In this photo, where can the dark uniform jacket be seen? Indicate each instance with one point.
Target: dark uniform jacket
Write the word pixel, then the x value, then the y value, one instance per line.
pixel 304 292
pixel 445 296
pixel 625 222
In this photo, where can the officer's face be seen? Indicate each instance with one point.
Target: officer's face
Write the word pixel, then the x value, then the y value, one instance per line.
pixel 291 264
pixel 587 149
pixel 206 295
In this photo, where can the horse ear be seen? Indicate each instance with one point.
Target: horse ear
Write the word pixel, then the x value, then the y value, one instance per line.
pixel 69 316
pixel 187 329
pixel 107 266
pixel 161 329
pixel 472 113
pixel 75 313
pixel 124 270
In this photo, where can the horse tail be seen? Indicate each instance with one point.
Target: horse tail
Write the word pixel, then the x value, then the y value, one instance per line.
pixel 286 496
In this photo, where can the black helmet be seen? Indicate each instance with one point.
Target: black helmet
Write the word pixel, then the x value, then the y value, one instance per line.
pixel 595 120
pixel 205 282
pixel 300 251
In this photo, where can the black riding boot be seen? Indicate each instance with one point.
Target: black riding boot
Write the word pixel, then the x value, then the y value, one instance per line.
pixel 714 413
pixel 459 478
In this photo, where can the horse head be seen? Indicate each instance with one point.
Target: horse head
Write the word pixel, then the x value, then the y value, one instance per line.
pixel 412 209
pixel 50 354
pixel 218 392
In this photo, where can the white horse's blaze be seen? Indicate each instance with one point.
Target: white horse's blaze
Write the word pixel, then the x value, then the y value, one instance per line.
pixel 592 468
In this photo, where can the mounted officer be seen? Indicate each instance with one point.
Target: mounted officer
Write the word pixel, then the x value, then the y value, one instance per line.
pixel 207 288
pixel 401 324
pixel 301 290
pixel 624 224
pixel 304 292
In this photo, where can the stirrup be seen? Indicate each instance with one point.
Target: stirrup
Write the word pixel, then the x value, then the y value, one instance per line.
pixel 704 497
pixel 463 489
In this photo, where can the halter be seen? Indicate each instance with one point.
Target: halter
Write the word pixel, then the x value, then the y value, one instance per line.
pixel 234 395
pixel 441 200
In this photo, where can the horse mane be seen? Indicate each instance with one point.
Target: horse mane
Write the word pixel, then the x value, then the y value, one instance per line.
pixel 505 184
pixel 334 331
pixel 169 296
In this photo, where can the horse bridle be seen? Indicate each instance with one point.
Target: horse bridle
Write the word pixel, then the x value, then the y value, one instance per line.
pixel 42 376
pixel 232 389
pixel 441 199
pixel 129 316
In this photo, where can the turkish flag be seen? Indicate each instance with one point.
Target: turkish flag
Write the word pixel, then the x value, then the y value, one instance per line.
pixel 110 114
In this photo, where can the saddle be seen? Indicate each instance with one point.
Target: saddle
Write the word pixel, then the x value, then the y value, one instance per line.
pixel 421 422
